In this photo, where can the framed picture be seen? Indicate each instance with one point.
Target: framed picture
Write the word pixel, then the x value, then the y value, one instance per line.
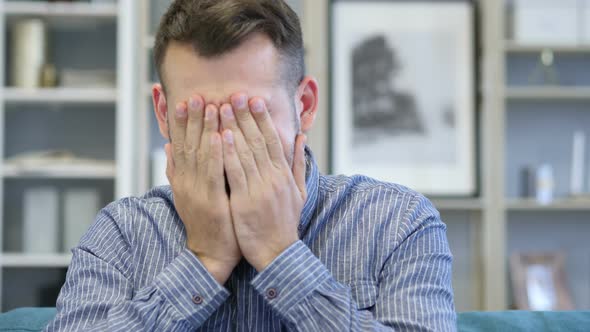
pixel 403 93
pixel 539 282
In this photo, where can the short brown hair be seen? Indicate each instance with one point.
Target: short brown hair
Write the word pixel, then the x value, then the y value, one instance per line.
pixel 215 27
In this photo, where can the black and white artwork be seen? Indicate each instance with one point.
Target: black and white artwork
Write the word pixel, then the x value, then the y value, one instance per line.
pixel 403 84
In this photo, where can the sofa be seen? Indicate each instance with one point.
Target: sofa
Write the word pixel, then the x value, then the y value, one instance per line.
pixel 34 319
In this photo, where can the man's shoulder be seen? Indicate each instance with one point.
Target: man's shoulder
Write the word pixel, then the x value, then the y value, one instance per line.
pixel 368 192
pixel 361 184
pixel 127 209
pixel 156 195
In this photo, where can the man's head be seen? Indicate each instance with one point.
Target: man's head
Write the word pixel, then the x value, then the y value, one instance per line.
pixel 216 48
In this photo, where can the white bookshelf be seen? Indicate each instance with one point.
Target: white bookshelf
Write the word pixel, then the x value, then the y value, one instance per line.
pixel 18 260
pixel 459 204
pixel 548 93
pixel 515 205
pixel 122 100
pixel 106 170
pixel 514 47
pixel 61 95
pixel 61 9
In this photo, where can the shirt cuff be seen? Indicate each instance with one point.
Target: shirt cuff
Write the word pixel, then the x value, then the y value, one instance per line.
pixel 290 278
pixel 191 289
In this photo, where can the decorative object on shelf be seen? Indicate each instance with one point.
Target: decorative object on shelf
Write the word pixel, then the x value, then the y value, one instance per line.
pixel 48 76
pixel 539 282
pixel 80 209
pixel 578 164
pixel 159 163
pixel 528 182
pixel 545 184
pixel 403 99
pixel 28 52
pixel 40 220
pixel 95 78
pixel 540 22
pixel 545 72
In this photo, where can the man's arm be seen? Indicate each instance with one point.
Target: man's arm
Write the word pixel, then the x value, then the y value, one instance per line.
pixel 99 296
pixel 414 292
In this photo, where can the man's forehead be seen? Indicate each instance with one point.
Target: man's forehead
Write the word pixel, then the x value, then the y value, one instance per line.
pixel 250 68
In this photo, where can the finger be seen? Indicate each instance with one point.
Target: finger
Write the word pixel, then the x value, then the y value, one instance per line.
pixel 244 152
pixel 233 168
pixel 211 126
pixel 215 179
pixel 179 133
pixel 250 130
pixel 169 163
pixel 299 164
pixel 194 129
pixel 267 127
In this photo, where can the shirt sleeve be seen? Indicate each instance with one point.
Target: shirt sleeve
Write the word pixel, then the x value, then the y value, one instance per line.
pixel 98 294
pixel 415 291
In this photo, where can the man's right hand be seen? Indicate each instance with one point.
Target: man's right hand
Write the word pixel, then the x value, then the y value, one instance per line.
pixel 195 172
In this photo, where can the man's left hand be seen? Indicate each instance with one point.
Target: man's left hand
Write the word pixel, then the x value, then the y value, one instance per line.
pixel 267 195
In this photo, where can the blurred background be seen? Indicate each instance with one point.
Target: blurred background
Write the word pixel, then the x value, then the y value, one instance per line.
pixel 497 90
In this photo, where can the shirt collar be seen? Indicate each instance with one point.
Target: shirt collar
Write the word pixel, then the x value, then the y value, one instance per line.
pixel 312 179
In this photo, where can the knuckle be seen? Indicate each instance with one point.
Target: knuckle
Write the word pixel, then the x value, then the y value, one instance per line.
pixel 201 156
pixel 258 143
pixel 190 148
pixel 212 181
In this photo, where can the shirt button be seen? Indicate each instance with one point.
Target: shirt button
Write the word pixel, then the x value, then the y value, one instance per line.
pixel 271 293
pixel 197 299
pixel 300 227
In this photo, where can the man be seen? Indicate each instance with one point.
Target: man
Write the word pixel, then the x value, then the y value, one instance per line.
pixel 249 236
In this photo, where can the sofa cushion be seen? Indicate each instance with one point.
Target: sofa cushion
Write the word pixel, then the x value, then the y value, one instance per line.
pixel 35 319
pixel 26 319
pixel 554 321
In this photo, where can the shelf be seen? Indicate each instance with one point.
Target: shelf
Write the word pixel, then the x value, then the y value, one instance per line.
pixel 60 95
pixel 514 47
pixel 548 93
pixel 459 204
pixel 61 9
pixel 106 170
pixel 35 260
pixel 558 205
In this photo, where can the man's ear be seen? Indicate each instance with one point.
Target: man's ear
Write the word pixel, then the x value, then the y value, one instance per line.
pixel 307 99
pixel 161 109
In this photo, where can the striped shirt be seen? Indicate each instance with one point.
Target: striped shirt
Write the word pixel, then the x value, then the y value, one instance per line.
pixel 372 256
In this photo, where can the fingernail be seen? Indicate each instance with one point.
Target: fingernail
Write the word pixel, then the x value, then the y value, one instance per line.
pixel 241 101
pixel 227 111
pixel 180 110
pixel 228 136
pixel 258 106
pixel 194 103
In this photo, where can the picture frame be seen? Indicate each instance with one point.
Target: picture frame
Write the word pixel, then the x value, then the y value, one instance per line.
pixel 403 93
pixel 539 282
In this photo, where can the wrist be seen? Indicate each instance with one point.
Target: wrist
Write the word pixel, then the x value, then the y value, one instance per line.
pixel 265 257
pixel 220 270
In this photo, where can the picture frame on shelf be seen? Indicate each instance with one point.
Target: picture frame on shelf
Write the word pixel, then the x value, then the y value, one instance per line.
pixel 403 102
pixel 539 282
